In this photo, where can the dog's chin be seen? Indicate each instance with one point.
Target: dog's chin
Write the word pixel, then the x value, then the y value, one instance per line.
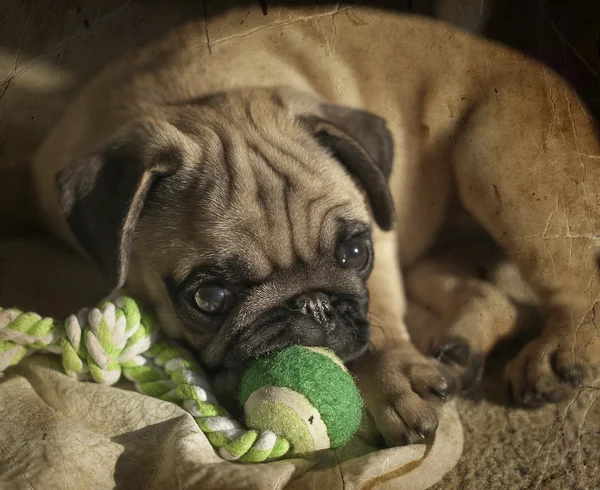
pixel 347 340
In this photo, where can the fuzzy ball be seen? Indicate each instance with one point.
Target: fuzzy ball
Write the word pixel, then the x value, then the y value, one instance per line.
pixel 304 394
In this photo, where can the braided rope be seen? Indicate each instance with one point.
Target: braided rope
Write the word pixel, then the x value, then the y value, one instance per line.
pixel 119 339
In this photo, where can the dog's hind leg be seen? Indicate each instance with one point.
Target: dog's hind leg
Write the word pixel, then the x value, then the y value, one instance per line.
pixel 527 167
pixel 456 313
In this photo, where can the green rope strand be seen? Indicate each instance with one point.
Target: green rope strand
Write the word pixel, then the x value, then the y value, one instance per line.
pixel 119 339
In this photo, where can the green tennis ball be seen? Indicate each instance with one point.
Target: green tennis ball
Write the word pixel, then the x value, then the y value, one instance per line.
pixel 304 394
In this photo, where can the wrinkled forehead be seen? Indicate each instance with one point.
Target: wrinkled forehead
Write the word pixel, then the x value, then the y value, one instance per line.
pixel 282 199
pixel 285 241
pixel 270 225
pixel 263 191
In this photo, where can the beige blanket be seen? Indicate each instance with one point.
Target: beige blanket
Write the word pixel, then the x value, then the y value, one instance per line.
pixel 60 433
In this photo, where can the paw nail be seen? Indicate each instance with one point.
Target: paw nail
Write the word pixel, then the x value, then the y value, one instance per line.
pixel 451 384
pixel 574 376
pixel 474 373
pixel 510 394
pixel 441 393
pixel 455 350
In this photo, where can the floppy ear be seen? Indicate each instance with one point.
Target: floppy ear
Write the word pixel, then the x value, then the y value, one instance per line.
pixel 361 141
pixel 102 197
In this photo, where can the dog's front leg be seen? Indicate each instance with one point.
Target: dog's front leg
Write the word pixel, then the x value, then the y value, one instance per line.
pixel 403 390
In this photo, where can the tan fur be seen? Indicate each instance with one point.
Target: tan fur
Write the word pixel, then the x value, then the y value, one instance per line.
pixel 508 132
pixel 460 307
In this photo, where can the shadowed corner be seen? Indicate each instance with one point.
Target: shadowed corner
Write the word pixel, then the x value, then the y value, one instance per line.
pixel 17 201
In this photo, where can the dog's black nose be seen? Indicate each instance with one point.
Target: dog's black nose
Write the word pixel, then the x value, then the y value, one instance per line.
pixel 315 305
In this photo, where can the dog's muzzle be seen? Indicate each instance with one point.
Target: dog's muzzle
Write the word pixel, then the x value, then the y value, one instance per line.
pixel 312 319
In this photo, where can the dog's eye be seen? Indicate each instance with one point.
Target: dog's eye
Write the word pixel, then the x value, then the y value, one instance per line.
pixel 354 253
pixel 212 298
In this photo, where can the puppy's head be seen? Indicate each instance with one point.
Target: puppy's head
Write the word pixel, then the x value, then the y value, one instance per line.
pixel 243 217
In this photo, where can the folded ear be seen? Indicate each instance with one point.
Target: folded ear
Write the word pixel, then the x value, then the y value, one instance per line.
pixel 361 141
pixel 102 197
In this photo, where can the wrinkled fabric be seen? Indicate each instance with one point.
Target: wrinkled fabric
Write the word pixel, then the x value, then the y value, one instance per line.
pixel 58 433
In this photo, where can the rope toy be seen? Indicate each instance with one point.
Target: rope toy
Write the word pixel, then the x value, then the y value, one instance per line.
pixel 119 339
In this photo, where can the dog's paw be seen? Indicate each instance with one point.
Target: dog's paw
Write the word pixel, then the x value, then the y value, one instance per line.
pixel 549 368
pixel 403 392
pixel 462 362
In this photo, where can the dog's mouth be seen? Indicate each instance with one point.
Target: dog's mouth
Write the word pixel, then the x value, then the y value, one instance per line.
pixel 312 320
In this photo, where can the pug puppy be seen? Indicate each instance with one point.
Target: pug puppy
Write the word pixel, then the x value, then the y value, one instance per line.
pixel 243 186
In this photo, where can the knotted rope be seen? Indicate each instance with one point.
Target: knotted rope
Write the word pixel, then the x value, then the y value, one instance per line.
pixel 118 338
